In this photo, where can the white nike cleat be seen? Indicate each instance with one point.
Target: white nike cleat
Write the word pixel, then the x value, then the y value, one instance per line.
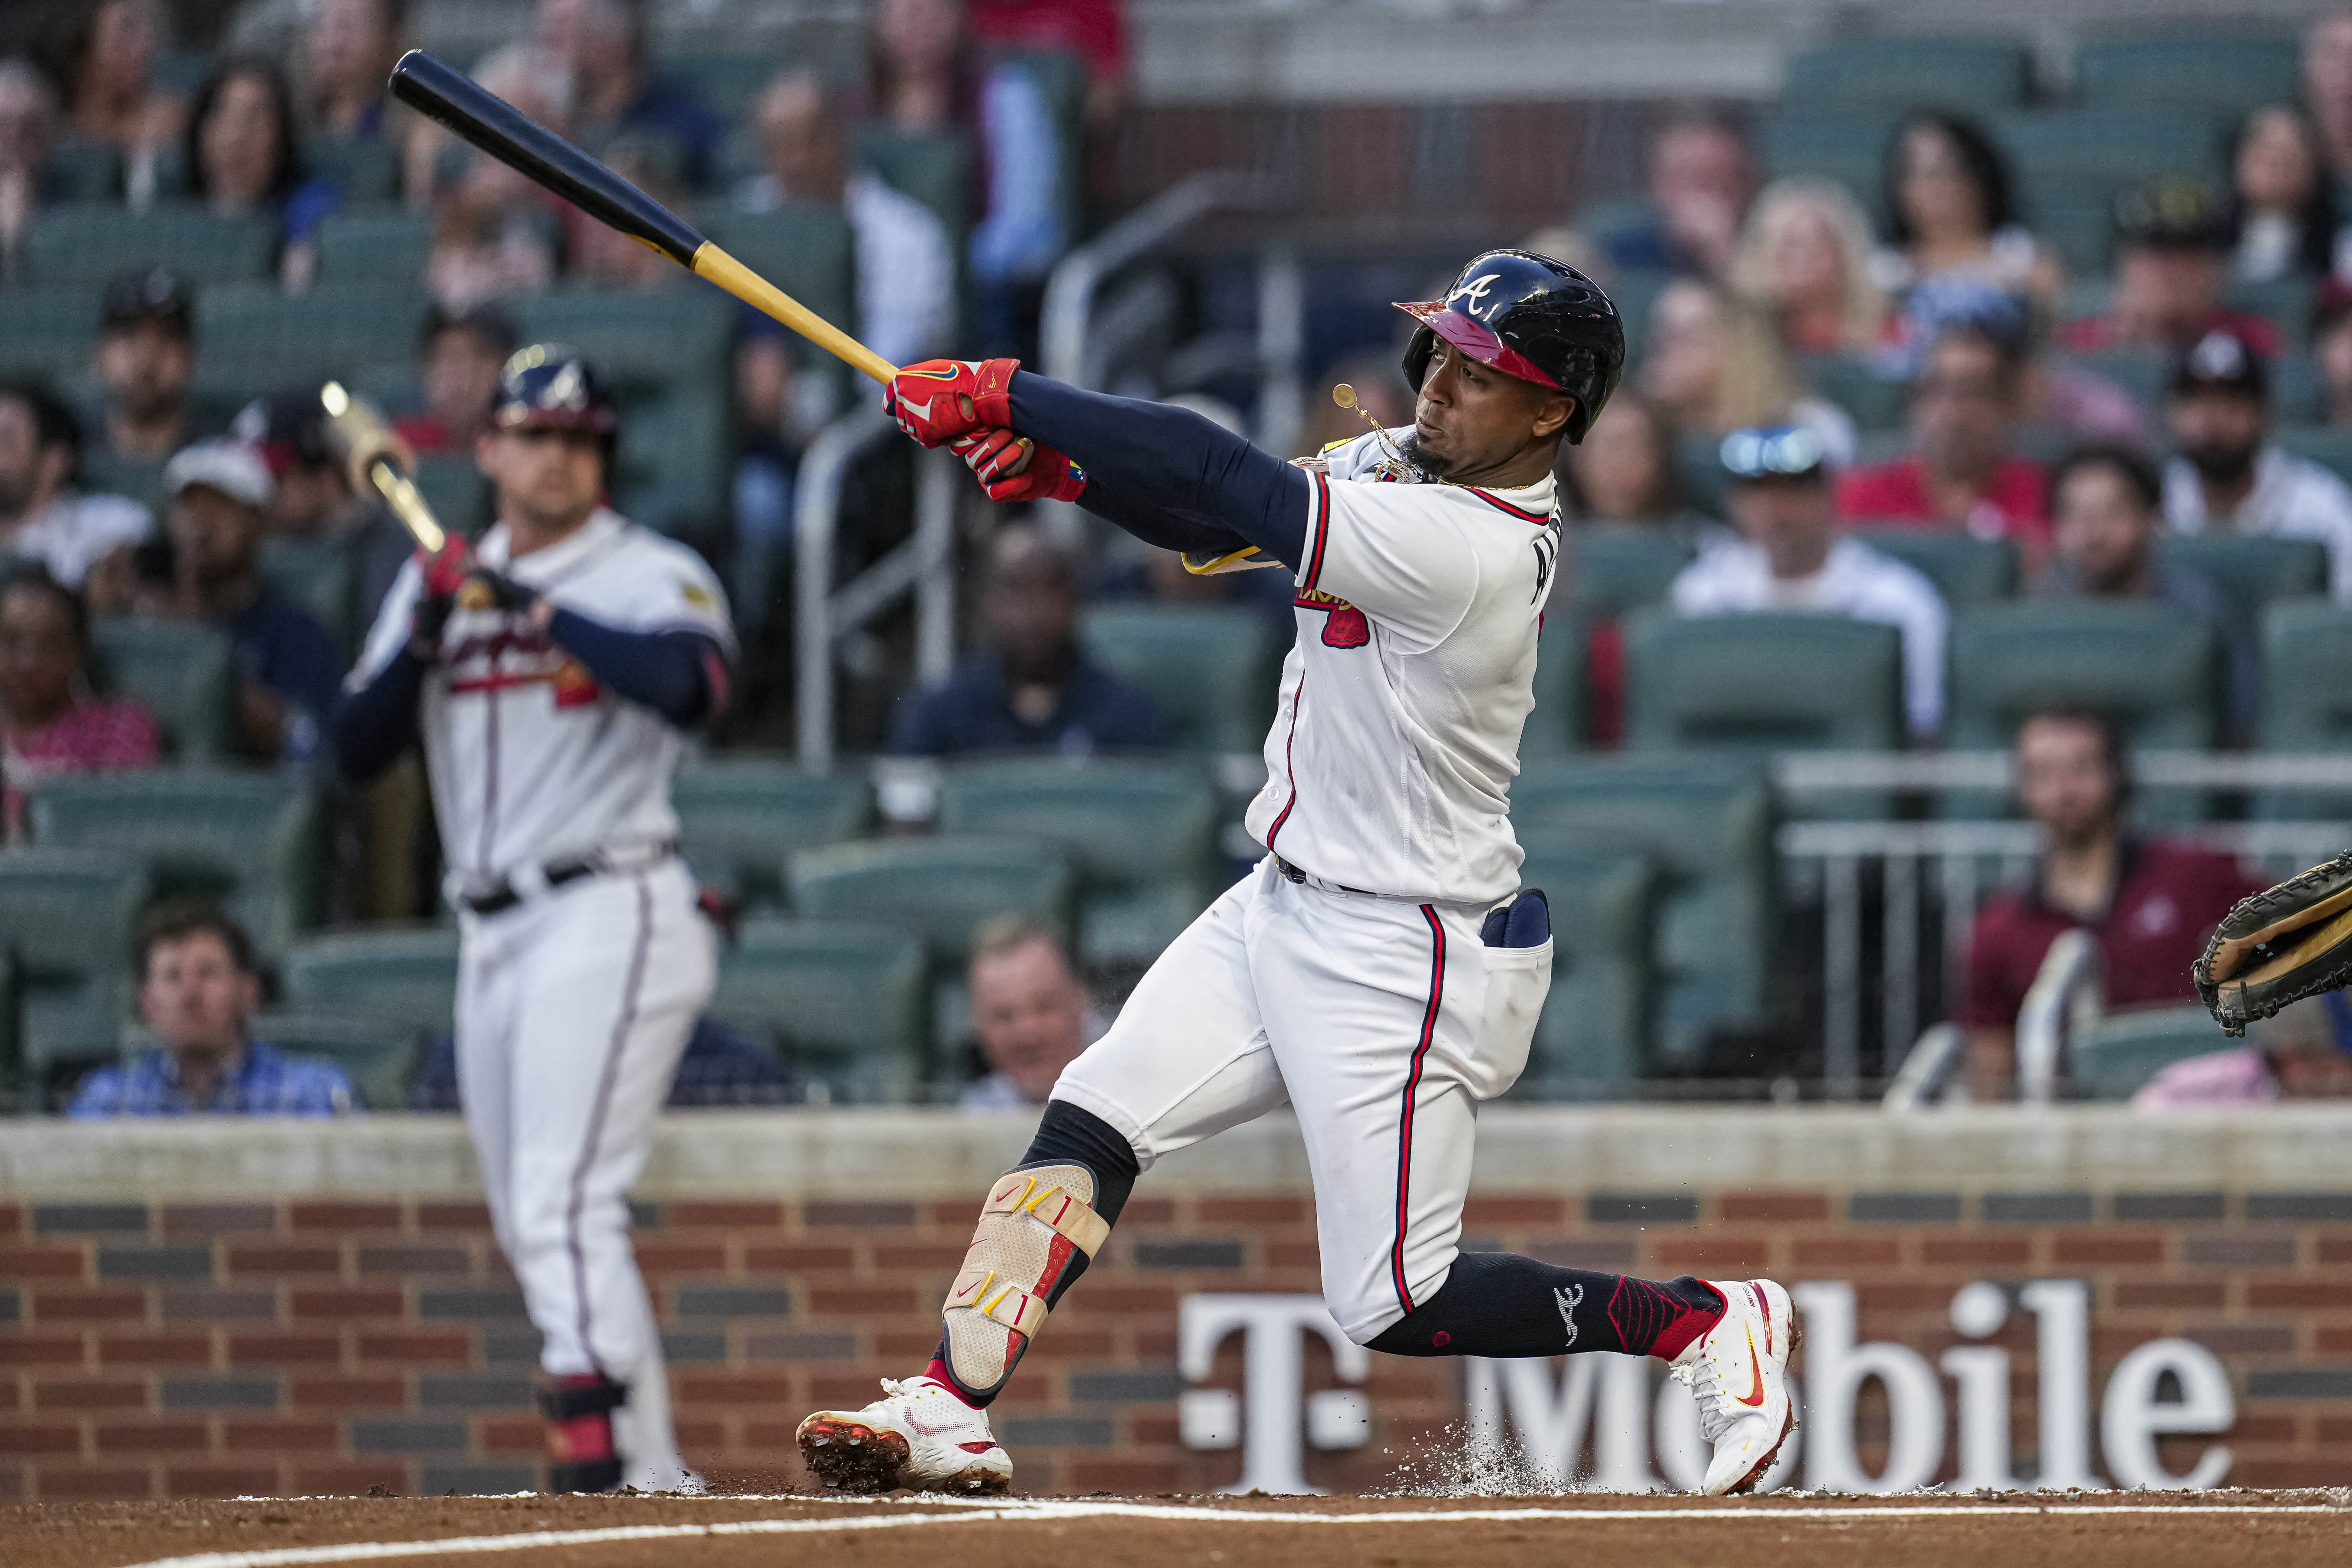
pixel 918 1434
pixel 1738 1372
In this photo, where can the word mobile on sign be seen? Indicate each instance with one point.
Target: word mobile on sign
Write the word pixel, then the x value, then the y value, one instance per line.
pixel 1642 1430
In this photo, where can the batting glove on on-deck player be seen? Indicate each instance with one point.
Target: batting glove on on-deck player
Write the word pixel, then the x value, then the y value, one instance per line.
pixel 940 399
pixel 1014 469
pixel 443 572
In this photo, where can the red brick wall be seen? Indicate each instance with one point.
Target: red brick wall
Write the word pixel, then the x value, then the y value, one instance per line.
pixel 195 1349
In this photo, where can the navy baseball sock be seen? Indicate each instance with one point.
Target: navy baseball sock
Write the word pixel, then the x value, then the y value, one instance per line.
pixel 1499 1304
pixel 1066 1136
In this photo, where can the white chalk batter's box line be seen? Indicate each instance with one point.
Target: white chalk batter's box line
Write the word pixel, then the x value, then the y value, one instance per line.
pixel 963 1512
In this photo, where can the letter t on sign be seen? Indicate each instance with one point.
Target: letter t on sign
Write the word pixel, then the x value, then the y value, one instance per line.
pixel 1273 1450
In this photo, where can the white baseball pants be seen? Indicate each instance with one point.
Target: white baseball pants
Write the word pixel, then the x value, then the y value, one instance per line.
pixel 1381 1023
pixel 573 1009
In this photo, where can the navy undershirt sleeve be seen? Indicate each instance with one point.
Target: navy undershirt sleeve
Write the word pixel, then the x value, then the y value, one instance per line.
pixel 668 671
pixel 370 727
pixel 1167 471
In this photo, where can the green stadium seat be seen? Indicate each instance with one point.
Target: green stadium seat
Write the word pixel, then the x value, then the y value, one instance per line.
pixel 317 573
pixel 1143 836
pixel 1965 570
pixel 1593 1041
pixel 2116 1055
pixel 2312 710
pixel 260 337
pixel 374 250
pixel 2137 660
pixel 1842 144
pixel 86 170
pixel 1614 567
pixel 365 170
pixel 456 492
pixel 2143 373
pixel 2081 227
pixel 1706 823
pixel 1851 381
pixel 2251 570
pixel 1765 682
pixel 184 674
pixel 1211 669
pixel 740 818
pixel 724 81
pixel 2329 446
pixel 405 975
pixel 933 169
pixel 87 245
pixel 847 1001
pixel 1560 719
pixel 2284 302
pixel 1636 295
pixel 67 916
pixel 1973 73
pixel 379 1057
pixel 2088 155
pixel 2227 70
pixel 658 333
pixel 808 251
pixel 47 332
pixel 939 890
pixel 251 839
pixel 112 474
pixel 1698 468
pixel 2298 391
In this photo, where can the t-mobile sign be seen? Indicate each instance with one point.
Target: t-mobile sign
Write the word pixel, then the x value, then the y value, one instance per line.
pixel 1643 1428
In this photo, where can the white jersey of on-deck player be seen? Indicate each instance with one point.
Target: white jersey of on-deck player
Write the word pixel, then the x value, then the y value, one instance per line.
pixel 532 760
pixel 1389 767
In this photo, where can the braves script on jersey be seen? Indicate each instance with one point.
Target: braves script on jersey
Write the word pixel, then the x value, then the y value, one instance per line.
pixel 1389 764
pixel 531 760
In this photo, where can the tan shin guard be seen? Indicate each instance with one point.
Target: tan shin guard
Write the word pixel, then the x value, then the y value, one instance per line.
pixel 1032 1223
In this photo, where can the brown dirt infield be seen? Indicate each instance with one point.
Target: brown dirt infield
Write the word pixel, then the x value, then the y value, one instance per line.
pixel 2211 1530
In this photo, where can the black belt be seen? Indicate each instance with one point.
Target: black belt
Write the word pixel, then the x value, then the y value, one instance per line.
pixel 1292 873
pixel 505 896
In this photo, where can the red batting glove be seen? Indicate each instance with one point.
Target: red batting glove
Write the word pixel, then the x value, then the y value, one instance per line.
pixel 1015 468
pixel 443 572
pixel 940 399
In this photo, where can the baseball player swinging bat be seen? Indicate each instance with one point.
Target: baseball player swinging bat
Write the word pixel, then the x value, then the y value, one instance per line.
pixel 450 97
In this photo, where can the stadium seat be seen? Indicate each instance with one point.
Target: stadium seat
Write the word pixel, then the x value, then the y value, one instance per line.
pixel 740 818
pixel 1698 468
pixel 186 674
pixel 2143 373
pixel 365 170
pixel 86 245
pixel 724 81
pixel 1871 398
pixel 1967 571
pixel 1974 73
pixel 933 169
pixel 1143 836
pixel 250 838
pixel 2311 712
pixel 316 573
pixel 939 890
pixel 405 976
pixel 808 251
pixel 85 169
pixel 1761 681
pixel 1842 144
pixel 1613 568
pixel 2284 302
pixel 2138 660
pixel 135 479
pixel 2298 391
pixel 845 1002
pixel 1211 669
pixel 1560 719
pixel 2122 1051
pixel 456 492
pixel 2226 69
pixel 378 1055
pixel 1706 823
pixel 1593 1041
pixel 1636 294
pixel 2329 446
pixel 47 332
pixel 2080 226
pixel 67 915
pixel 662 332
pixel 260 337
pixel 2088 155
pixel 2251 570
pixel 382 249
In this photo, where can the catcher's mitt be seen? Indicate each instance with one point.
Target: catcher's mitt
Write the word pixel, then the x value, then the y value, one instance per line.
pixel 2280 946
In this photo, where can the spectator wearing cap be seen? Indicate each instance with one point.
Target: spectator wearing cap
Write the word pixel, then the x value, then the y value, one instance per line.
pixel 311 499
pixel 460 353
pixel 1788 557
pixel 1963 471
pixel 1701 178
pixel 144 359
pixel 2149 902
pixel 2172 262
pixel 604 43
pixel 28 115
pixel 1951 211
pixel 2226 476
pixel 2106 507
pixel 51 722
pixel 220 493
pixel 199 987
pixel 84 541
pixel 2282 197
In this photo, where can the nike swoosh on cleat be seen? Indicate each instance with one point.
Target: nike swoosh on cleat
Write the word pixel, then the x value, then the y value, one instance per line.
pixel 1754 1398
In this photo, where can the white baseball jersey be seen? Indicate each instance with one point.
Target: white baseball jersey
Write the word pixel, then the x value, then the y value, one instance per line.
pixel 1389 767
pixel 532 760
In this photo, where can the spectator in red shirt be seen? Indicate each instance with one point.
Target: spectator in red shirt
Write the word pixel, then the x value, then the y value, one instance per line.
pixel 1962 472
pixel 2149 902
pixel 50 720
pixel 2172 260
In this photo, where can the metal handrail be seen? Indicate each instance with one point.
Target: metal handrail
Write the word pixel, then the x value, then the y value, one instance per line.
pixel 1069 303
pixel 924 566
pixel 2068 976
pixel 1919 1083
pixel 1803 772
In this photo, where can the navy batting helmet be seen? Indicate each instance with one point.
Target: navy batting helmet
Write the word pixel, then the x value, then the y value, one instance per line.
pixel 1529 316
pixel 554 387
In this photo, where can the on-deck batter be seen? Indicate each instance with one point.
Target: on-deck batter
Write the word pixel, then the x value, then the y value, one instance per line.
pixel 1380 970
pixel 551 672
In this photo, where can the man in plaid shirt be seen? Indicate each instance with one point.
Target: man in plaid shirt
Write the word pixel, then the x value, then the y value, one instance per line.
pixel 199 987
